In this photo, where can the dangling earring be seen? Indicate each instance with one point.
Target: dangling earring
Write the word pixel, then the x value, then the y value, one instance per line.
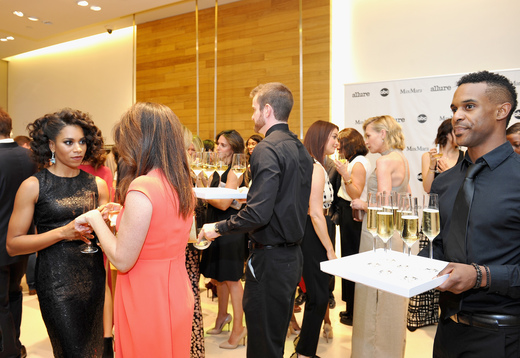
pixel 53 160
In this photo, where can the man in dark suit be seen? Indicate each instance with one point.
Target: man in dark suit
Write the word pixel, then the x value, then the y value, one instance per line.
pixel 15 166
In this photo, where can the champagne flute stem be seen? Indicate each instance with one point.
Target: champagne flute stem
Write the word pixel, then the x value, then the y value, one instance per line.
pixel 409 250
pixel 374 244
pixel 431 249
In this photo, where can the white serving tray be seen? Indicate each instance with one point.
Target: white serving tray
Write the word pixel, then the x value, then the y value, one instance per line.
pixel 393 271
pixel 219 193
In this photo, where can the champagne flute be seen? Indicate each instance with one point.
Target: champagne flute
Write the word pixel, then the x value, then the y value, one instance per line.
pixel 203 243
pixel 196 163
pixel 430 219
pixel 238 164
pixel 372 216
pixel 385 219
pixel 89 203
pixel 222 165
pixel 399 214
pixel 209 165
pixel 341 157
pixel 409 226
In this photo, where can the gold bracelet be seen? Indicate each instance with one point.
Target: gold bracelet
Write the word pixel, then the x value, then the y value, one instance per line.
pixel 348 182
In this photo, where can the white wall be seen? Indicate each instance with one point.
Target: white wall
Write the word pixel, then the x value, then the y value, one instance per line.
pixel 376 40
pixel 94 75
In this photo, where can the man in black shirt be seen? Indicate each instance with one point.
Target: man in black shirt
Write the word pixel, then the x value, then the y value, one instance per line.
pixel 15 166
pixel 480 300
pixel 274 217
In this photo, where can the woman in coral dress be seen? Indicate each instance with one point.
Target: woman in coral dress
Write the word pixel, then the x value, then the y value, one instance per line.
pixel 154 299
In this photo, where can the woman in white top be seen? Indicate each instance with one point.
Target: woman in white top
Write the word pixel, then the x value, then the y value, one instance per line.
pixel 321 140
pixel 354 173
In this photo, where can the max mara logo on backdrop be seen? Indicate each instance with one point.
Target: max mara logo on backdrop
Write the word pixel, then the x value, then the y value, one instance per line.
pixel 410 90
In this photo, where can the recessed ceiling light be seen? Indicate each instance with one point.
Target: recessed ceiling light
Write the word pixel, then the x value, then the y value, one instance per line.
pixel 18 13
pixel 46 22
pixel 3 39
pixel 95 8
pixel 32 18
pixel 82 3
pixel 10 38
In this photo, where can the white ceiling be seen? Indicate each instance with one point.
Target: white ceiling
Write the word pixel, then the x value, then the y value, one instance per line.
pixel 71 22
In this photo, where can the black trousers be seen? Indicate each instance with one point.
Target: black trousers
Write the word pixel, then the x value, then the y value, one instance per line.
pixel 271 279
pixel 350 234
pixel 11 307
pixel 462 341
pixel 317 285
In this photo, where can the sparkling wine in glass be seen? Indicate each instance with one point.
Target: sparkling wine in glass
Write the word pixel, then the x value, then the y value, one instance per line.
pixel 201 244
pixel 430 218
pixel 409 226
pixel 196 162
pixel 385 219
pixel 238 164
pixel 372 216
pixel 341 157
pixel 209 164
pixel 89 203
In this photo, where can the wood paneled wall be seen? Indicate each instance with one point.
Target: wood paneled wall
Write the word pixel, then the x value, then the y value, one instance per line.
pixel 258 42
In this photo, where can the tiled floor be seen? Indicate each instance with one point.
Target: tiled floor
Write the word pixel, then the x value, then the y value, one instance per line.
pixel 419 343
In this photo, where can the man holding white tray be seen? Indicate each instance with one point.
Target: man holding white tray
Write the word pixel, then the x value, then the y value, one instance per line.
pixel 274 217
pixel 480 300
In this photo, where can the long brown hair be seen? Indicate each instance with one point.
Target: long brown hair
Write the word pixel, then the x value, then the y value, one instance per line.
pixel 316 138
pixel 150 136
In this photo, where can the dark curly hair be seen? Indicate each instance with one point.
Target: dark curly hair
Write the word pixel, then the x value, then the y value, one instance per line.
pixel 50 125
pixel 499 88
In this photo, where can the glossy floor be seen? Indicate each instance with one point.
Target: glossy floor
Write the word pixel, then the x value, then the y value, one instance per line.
pixel 419 343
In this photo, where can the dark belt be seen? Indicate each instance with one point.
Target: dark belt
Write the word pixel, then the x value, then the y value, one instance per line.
pixel 489 321
pixel 257 246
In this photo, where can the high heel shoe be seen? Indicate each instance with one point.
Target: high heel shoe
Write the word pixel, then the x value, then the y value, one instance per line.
pixel 241 339
pixel 294 328
pixel 213 288
pixel 218 330
pixel 327 332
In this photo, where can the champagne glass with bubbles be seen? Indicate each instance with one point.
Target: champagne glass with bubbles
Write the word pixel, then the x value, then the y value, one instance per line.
pixel 430 219
pixel 222 165
pixel 409 226
pixel 209 165
pixel 385 219
pixel 238 165
pixel 372 216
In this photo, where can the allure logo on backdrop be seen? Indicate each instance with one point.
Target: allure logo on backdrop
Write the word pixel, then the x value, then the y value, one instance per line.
pixel 440 88
pixel 360 94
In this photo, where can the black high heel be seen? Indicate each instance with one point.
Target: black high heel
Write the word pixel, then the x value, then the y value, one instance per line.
pixel 213 288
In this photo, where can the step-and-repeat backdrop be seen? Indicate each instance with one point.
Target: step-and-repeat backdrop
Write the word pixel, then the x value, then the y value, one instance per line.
pixel 419 105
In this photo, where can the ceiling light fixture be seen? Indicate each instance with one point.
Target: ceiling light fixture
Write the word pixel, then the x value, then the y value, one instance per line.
pixel 3 39
pixel 10 38
pixel 82 3
pixel 32 18
pixel 46 22
pixel 95 8
pixel 18 13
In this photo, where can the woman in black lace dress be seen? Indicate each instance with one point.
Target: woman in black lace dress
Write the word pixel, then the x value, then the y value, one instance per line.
pixel 70 284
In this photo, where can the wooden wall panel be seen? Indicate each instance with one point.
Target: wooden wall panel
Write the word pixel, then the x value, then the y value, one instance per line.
pixel 258 42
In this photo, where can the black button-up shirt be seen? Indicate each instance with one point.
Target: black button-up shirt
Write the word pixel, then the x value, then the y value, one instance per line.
pixel 278 199
pixel 493 232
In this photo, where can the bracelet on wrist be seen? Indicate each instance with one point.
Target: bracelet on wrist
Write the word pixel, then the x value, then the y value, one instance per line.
pixel 479 276
pixel 488 277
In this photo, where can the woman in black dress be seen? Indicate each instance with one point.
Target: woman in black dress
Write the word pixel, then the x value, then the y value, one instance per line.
pixel 224 259
pixel 70 284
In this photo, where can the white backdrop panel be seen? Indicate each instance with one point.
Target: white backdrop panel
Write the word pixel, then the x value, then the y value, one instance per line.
pixel 419 105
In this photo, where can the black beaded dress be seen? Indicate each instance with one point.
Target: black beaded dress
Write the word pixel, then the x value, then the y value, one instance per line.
pixel 70 284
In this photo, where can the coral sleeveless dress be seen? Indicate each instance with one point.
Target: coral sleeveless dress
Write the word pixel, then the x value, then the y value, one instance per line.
pixel 153 307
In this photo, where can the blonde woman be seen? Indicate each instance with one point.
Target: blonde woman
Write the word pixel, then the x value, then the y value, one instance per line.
pixel 379 325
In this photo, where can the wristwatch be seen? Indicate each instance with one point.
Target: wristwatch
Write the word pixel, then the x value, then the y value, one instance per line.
pixel 215 228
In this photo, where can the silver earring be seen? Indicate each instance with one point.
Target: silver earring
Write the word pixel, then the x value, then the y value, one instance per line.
pixel 53 160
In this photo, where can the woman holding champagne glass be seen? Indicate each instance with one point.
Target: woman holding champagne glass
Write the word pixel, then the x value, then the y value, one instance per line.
pixel 223 260
pixel 354 173
pixel 154 300
pixel 379 327
pixel 70 284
